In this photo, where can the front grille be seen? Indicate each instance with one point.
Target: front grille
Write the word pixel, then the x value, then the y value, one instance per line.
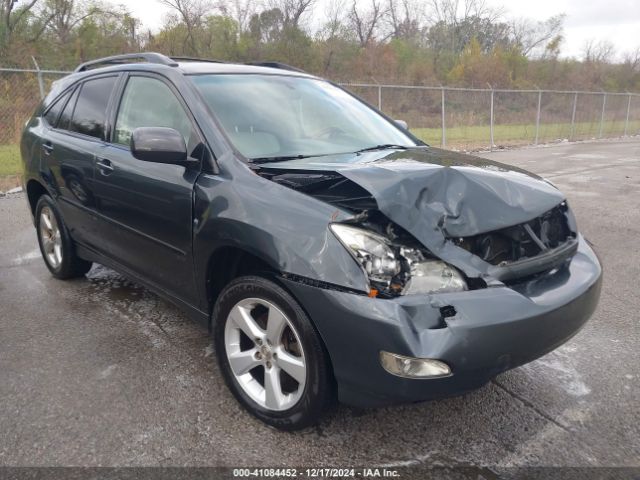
pixel 526 240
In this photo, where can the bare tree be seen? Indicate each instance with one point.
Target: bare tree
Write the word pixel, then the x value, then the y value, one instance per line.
pixel 452 12
pixel 11 14
pixel 454 23
pixel 191 12
pixel 335 18
pixel 598 51
pixel 631 60
pixel 534 37
pixel 240 10
pixel 366 22
pixel 62 16
pixel 406 18
pixel 292 10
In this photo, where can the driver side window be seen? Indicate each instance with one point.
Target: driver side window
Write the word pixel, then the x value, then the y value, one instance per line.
pixel 148 102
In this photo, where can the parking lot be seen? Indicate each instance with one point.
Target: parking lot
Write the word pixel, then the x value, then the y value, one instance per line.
pixel 101 372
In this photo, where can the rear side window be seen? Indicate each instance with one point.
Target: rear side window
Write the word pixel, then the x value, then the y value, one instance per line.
pixel 90 113
pixel 65 119
pixel 54 112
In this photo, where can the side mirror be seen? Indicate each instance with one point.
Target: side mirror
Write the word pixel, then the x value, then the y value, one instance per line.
pixel 402 124
pixel 159 145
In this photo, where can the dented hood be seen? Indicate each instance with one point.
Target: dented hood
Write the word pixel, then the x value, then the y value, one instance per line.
pixel 435 194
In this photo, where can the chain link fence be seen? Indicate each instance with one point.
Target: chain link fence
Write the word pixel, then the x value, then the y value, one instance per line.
pixel 456 118
pixel 20 93
pixel 487 118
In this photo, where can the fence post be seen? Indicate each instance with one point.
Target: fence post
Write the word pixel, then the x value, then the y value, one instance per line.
pixel 444 126
pixel 538 116
pixel 626 122
pixel 491 119
pixel 380 97
pixel 40 79
pixel 573 115
pixel 604 105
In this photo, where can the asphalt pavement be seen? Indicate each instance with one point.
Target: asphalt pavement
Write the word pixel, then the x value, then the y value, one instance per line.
pixel 101 372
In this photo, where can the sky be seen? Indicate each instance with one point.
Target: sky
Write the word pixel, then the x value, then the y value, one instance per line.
pixel 616 21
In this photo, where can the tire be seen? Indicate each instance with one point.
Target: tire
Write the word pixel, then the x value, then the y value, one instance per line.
pixel 255 368
pixel 56 246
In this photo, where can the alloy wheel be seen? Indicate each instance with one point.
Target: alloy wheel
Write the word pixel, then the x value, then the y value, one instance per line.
pixel 50 237
pixel 265 354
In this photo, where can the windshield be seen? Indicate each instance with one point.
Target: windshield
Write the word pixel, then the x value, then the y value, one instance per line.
pixel 273 116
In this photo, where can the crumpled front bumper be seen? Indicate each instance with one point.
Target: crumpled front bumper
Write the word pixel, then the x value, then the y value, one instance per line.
pixel 494 329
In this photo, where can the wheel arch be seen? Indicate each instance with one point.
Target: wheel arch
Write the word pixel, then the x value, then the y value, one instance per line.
pixel 35 190
pixel 229 262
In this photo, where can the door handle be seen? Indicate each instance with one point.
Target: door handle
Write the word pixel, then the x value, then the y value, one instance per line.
pixel 47 147
pixel 104 166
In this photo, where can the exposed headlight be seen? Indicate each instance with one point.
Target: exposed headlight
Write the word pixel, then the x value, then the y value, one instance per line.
pixel 434 276
pixel 396 270
pixel 370 250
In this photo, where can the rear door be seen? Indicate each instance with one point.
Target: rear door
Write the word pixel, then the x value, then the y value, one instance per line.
pixel 146 208
pixel 78 128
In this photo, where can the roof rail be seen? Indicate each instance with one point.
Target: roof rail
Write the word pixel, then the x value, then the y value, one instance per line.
pixel 281 66
pixel 196 59
pixel 150 57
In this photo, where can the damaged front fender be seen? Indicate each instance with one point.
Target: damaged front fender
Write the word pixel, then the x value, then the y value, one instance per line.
pixel 284 228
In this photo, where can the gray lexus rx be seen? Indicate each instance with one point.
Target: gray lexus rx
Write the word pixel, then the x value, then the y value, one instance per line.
pixel 331 254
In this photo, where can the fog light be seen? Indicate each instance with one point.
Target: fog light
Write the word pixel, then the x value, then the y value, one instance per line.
pixel 410 367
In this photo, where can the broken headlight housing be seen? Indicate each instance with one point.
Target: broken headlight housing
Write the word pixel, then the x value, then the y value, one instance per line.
pixel 429 275
pixel 397 270
pixel 370 250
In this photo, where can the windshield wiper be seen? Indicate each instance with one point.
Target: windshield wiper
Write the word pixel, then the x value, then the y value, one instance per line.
pixel 282 158
pixel 384 146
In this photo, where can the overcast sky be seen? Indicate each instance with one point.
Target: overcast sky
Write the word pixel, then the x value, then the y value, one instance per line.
pixel 617 21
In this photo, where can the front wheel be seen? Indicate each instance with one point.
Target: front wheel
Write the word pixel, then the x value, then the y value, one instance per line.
pixel 270 354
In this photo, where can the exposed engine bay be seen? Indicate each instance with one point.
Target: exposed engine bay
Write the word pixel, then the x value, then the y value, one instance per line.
pixel 526 240
pixel 404 265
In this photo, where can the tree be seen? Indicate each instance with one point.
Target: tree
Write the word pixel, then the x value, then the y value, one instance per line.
pixel 266 27
pixel 105 32
pixel 598 51
pixel 292 10
pixel 12 18
pixel 366 21
pixel 63 16
pixel 192 13
pixel 239 10
pixel 538 37
pixel 456 37
pixel 452 12
pixel 220 38
pixel 406 19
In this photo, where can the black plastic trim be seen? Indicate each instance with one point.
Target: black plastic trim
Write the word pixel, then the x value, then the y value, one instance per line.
pixel 530 266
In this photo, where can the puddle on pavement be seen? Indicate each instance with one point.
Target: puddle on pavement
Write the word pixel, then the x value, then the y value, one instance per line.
pixel 116 287
pixel 129 301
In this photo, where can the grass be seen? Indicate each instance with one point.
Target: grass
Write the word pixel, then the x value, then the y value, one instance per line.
pixel 478 136
pixel 10 160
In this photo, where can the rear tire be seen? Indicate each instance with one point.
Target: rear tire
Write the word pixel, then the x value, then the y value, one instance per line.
pixel 56 246
pixel 271 356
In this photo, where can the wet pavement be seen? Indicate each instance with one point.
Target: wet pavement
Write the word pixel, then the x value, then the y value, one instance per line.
pixel 99 371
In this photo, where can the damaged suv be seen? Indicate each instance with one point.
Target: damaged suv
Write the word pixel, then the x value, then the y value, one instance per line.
pixel 330 252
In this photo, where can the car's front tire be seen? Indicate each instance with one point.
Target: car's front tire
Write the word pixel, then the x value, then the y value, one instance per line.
pixel 271 356
pixel 56 246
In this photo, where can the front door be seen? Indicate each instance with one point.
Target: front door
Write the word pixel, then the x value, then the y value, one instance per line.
pixel 145 208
